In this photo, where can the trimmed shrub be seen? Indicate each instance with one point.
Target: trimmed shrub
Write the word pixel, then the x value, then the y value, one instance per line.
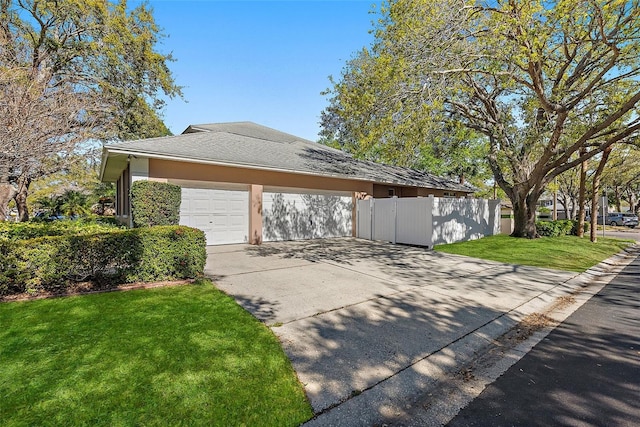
pixel 155 203
pixel 574 227
pixel 169 252
pixel 9 274
pixel 53 263
pixel 557 228
pixel 31 230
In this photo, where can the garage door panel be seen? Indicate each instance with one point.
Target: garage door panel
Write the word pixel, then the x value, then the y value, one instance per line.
pixel 237 220
pixel 219 221
pixel 220 207
pixel 199 206
pixel 223 215
pixel 294 216
pixel 200 221
pixel 238 205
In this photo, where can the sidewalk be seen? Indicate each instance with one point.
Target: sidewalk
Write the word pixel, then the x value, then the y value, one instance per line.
pixel 431 389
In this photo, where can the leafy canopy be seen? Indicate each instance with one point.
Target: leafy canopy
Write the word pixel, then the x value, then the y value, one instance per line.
pixel 547 84
pixel 74 70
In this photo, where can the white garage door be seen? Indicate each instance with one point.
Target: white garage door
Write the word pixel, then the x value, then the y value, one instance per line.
pixel 310 215
pixel 223 215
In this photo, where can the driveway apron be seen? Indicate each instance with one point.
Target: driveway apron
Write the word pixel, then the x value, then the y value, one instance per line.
pixel 352 314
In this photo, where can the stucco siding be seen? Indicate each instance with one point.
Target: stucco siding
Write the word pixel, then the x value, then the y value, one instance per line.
pixel 167 169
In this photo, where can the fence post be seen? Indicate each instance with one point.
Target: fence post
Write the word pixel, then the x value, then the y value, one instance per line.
pixel 358 220
pixel 395 219
pixel 372 218
pixel 429 216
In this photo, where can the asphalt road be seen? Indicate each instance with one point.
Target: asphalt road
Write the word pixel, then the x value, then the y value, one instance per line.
pixel 585 373
pixel 621 233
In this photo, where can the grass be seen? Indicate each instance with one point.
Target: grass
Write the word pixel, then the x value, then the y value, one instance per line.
pixel 184 355
pixel 560 253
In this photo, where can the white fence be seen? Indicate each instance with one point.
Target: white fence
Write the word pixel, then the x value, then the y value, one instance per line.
pixel 427 221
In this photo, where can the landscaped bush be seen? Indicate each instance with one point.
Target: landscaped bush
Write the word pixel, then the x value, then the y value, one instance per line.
pixel 155 203
pixel 566 227
pixel 574 227
pixel 31 230
pixel 168 252
pixel 54 263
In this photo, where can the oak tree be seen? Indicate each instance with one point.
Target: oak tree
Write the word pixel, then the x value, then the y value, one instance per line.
pixel 549 84
pixel 72 71
pixel 621 177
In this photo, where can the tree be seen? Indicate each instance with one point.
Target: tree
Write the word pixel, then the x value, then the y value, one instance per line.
pixel 568 191
pixel 548 84
pixel 622 176
pixel 72 70
pixel 80 174
pixel 38 130
pixel 353 122
pixel 74 203
pixel 595 186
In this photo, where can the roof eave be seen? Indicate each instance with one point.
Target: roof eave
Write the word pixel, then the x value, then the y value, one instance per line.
pixel 103 162
pixel 108 151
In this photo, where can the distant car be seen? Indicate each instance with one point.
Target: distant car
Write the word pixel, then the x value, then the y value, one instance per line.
pixel 627 219
pixel 48 217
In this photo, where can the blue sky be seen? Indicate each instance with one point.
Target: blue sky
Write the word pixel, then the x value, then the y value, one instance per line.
pixel 261 61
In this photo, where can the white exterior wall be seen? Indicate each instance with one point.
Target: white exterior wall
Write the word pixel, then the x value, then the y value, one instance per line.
pixel 427 221
pixel 139 168
pixel 506 221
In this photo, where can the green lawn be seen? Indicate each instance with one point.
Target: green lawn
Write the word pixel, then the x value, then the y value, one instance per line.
pixel 561 253
pixel 185 355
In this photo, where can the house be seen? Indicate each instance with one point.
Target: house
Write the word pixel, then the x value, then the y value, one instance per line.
pixel 243 182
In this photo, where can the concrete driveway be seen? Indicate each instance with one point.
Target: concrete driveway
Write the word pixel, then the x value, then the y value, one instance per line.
pixel 356 316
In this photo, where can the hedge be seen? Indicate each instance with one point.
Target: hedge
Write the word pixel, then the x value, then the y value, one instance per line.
pixel 54 263
pixel 155 203
pixel 31 230
pixel 559 228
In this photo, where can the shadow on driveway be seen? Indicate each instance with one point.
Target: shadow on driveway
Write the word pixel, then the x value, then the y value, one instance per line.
pixel 352 313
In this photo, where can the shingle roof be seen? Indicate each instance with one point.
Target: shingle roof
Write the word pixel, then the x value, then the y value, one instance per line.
pixel 254 146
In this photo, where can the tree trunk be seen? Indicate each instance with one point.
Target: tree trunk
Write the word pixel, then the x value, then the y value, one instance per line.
pixel 7 192
pixel 594 214
pixel 565 203
pixel 618 196
pixel 596 190
pixel 21 198
pixel 582 196
pixel 574 206
pixel 524 215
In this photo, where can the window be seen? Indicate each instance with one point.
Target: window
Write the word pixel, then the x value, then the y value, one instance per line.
pixel 392 192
